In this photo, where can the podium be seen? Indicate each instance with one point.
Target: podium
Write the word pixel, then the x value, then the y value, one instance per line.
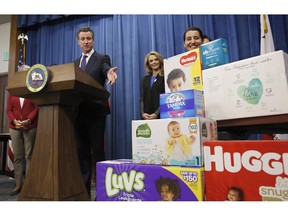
pixel 54 172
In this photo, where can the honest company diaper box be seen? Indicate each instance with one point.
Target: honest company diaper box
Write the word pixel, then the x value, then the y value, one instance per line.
pixel 214 53
pixel 246 170
pixel 252 87
pixel 171 141
pixel 183 72
pixel 188 103
pixel 122 180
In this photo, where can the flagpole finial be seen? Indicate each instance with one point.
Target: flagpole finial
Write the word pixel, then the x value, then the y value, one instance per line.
pixel 265 24
pixel 22 37
pixel 22 53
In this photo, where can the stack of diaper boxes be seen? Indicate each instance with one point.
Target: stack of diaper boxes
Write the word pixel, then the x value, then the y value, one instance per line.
pixel 181 112
pixel 158 159
pixel 184 80
pixel 246 170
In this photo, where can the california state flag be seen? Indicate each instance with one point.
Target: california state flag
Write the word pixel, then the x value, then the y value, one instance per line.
pixel 267 43
pixel 10 158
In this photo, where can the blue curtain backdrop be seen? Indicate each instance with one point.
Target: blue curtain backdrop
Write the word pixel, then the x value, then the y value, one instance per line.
pixel 127 39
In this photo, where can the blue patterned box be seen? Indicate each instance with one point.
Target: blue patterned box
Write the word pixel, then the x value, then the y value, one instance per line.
pixel 214 53
pixel 182 104
pixel 122 180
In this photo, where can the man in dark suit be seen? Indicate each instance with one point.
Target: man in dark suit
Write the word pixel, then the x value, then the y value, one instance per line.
pixel 90 117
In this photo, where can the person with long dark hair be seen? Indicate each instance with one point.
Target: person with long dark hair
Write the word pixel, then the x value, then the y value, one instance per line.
pixel 192 38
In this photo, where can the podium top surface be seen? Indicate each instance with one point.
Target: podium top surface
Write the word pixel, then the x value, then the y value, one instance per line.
pixel 67 83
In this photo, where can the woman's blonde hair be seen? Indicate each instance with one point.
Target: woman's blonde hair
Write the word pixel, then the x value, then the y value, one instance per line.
pixel 147 66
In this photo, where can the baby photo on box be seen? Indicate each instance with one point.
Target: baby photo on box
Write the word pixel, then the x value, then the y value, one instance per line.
pixel 183 72
pixel 171 141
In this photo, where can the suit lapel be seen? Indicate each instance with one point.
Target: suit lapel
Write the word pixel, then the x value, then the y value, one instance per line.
pixel 91 62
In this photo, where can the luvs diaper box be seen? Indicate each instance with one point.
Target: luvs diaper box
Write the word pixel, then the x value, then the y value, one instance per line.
pixel 246 170
pixel 122 180
pixel 171 141
pixel 183 72
pixel 252 87
pixel 188 103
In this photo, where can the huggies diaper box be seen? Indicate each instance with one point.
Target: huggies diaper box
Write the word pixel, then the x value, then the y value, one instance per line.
pixel 188 103
pixel 246 170
pixel 248 88
pixel 122 180
pixel 214 53
pixel 171 141
pixel 183 72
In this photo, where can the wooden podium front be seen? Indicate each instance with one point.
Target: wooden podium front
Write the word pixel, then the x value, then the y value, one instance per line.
pixel 54 172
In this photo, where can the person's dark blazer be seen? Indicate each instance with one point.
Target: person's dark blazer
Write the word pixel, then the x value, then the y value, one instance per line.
pixel 97 67
pixel 89 119
pixel 151 97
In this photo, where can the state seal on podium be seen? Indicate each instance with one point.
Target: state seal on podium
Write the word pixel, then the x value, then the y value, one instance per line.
pixel 37 78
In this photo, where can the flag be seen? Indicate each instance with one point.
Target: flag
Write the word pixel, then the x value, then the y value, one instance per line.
pixel 10 158
pixel 22 52
pixel 266 46
pixel 267 43
pixel 21 55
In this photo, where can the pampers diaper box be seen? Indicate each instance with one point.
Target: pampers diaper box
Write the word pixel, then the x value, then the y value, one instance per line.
pixel 214 53
pixel 247 88
pixel 184 71
pixel 246 170
pixel 171 141
pixel 188 103
pixel 122 180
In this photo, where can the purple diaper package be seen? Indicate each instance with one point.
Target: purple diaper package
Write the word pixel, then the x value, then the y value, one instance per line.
pixel 122 180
